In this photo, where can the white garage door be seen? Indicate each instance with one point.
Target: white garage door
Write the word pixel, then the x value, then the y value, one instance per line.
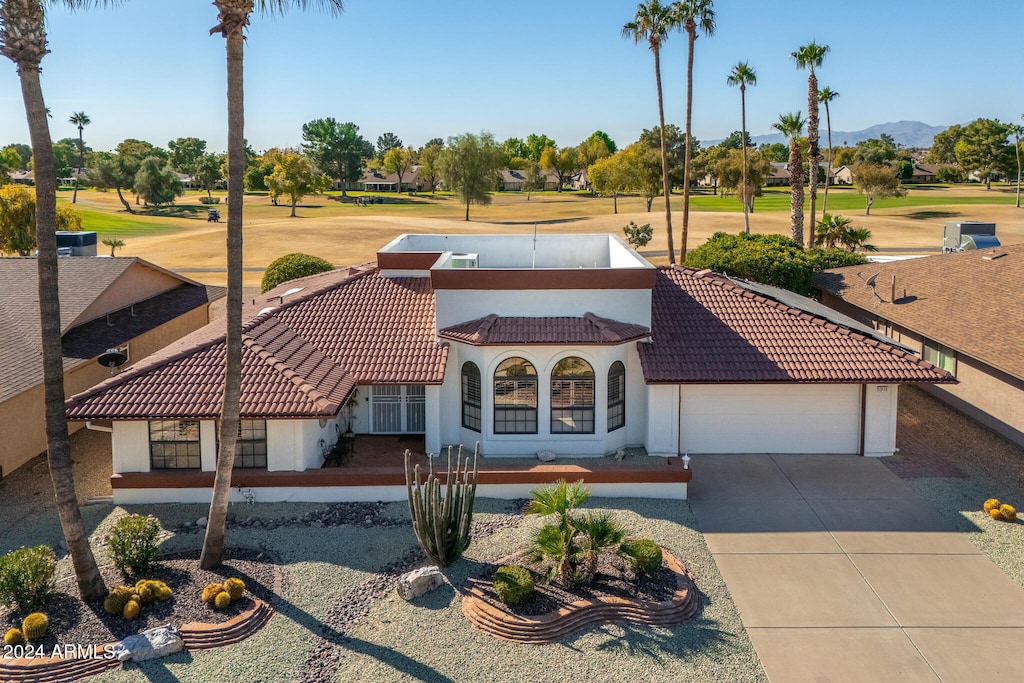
pixel 746 418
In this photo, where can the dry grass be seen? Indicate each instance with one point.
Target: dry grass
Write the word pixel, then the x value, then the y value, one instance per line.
pixel 345 233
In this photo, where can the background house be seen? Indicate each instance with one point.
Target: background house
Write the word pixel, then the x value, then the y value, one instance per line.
pixel 963 311
pixel 568 343
pixel 380 181
pixel 123 303
pixel 512 180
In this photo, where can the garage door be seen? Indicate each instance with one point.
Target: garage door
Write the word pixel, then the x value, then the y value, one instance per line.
pixel 770 418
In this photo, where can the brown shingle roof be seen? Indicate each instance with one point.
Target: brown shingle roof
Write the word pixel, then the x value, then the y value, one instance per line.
pixel 81 281
pixel 707 329
pixel 301 359
pixel 590 329
pixel 967 301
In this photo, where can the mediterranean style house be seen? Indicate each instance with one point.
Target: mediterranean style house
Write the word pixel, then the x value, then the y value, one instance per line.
pixel 121 303
pixel 571 344
pixel 963 311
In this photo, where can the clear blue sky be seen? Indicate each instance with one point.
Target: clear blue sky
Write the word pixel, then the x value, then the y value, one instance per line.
pixel 149 70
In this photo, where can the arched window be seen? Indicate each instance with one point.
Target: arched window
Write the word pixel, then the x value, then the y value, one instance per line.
pixel 471 396
pixel 616 396
pixel 572 397
pixel 515 397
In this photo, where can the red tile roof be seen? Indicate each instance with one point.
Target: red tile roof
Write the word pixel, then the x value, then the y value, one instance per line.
pixel 707 329
pixel 972 301
pixel 590 329
pixel 301 359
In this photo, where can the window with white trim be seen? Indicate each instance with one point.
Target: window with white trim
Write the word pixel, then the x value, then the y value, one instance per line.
pixel 616 396
pixel 471 412
pixel 572 397
pixel 940 356
pixel 174 445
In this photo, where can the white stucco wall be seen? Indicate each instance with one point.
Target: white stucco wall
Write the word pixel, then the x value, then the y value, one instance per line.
pixel 663 419
pixel 881 401
pixel 455 306
pixel 543 358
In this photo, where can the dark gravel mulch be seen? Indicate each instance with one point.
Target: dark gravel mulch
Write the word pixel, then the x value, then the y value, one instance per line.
pixel 78 623
pixel 612 579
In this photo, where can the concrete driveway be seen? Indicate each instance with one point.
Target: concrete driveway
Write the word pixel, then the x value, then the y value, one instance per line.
pixel 842 573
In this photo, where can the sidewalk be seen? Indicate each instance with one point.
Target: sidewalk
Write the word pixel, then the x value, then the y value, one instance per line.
pixel 842 573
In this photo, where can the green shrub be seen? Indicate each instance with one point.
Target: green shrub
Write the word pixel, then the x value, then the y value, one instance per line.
pixel 132 542
pixel 209 200
pixel 26 577
pixel 512 584
pixel 642 555
pixel 638 235
pixel 34 626
pixel 291 266
pixel 770 259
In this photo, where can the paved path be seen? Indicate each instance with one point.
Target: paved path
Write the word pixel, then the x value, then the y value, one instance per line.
pixel 842 573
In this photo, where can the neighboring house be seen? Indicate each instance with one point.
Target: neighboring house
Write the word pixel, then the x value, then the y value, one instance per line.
pixel 512 180
pixel 778 176
pixel 567 343
pixel 844 175
pixel 962 311
pixel 379 181
pixel 123 303
pixel 923 173
pixel 21 177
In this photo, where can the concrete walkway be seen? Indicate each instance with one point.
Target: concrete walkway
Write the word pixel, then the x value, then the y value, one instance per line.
pixel 842 573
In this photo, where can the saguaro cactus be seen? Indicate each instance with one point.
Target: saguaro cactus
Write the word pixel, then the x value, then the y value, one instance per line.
pixel 442 525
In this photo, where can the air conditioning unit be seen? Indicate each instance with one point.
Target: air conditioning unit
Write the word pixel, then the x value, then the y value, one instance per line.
pixel 465 261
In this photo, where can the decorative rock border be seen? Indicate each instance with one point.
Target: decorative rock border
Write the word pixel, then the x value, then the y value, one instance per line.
pixel 684 605
pixel 196 636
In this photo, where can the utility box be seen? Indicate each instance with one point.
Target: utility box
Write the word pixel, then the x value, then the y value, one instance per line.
pixel 966 235
pixel 82 243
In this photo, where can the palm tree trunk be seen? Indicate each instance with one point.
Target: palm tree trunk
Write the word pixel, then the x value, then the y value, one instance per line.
pixel 664 162
pixel 743 146
pixel 1016 148
pixel 58 447
pixel 796 192
pixel 828 123
pixel 213 544
pixel 687 158
pixel 813 152
pixel 81 163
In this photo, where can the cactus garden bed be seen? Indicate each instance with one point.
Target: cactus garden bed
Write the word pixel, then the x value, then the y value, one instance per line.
pixel 78 623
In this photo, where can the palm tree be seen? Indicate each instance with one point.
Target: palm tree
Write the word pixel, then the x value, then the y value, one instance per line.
pixel 743 75
pixel 826 95
pixel 693 15
pixel 792 126
pixel 831 231
pixel 233 17
pixel 599 531
pixel 653 22
pixel 23 41
pixel 1016 130
pixel 810 57
pixel 80 119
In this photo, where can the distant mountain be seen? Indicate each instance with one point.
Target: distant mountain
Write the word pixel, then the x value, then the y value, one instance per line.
pixel 905 133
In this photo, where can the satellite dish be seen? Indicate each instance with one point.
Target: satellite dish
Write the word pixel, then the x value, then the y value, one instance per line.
pixel 871 280
pixel 112 358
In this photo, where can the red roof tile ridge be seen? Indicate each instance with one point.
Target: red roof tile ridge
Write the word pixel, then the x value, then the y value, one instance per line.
pixel 315 396
pixel 483 331
pixel 348 278
pixel 143 367
pixel 602 325
pixel 726 284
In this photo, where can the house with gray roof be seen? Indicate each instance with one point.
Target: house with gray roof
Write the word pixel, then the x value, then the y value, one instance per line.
pixel 106 303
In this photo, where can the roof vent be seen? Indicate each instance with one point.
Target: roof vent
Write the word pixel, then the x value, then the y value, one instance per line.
pixel 268 309
pixel 293 290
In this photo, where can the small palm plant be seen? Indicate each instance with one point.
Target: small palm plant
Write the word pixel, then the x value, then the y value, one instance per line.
pixel 571 542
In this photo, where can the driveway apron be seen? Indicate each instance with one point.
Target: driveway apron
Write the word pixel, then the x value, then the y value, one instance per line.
pixel 842 573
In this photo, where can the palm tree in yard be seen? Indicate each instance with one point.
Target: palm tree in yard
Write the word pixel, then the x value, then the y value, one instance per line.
pixel 233 16
pixel 653 22
pixel 792 126
pixel 694 15
pixel 1016 130
pixel 80 119
pixel 23 41
pixel 826 95
pixel 810 57
pixel 743 75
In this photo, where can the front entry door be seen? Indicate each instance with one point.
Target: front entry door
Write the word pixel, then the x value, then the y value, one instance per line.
pixel 398 409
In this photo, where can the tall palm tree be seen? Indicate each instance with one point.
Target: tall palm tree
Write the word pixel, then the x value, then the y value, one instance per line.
pixel 653 22
pixel 1016 130
pixel 792 126
pixel 233 16
pixel 810 57
pixel 80 119
pixel 826 95
pixel 23 41
pixel 743 75
pixel 693 15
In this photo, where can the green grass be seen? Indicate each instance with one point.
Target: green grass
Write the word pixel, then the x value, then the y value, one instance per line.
pixel 847 200
pixel 123 225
